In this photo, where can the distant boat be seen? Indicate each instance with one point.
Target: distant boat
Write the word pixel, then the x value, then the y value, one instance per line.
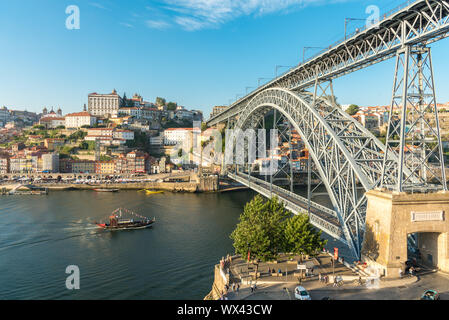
pixel 152 191
pixel 106 190
pixel 118 221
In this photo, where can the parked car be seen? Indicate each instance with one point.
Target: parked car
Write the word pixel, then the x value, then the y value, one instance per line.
pixel 430 295
pixel 302 294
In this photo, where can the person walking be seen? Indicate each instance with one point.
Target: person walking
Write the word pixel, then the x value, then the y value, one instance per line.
pixel 238 288
pixel 400 273
pixel 319 277
pixel 411 271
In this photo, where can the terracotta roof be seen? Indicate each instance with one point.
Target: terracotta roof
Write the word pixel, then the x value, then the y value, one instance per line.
pixel 79 114
pixel 178 129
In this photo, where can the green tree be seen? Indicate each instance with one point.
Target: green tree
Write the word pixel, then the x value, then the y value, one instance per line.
pixel 160 101
pixel 124 100
pixel 172 106
pixel 353 109
pixel 259 231
pixel 105 158
pixel 300 237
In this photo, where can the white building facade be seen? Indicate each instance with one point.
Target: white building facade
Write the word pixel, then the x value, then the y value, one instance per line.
pixel 77 120
pixel 104 105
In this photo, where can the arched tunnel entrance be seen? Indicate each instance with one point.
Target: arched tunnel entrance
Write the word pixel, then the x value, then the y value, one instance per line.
pixel 425 250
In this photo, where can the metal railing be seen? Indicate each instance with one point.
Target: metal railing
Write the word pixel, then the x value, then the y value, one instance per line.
pixel 348 37
pixel 263 188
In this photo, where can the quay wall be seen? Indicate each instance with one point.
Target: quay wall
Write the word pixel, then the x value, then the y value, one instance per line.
pixel 207 184
pixel 218 286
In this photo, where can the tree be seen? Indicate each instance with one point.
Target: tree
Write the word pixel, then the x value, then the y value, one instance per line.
pixel 259 231
pixel 160 101
pixel 331 98
pixel 172 106
pixel 352 109
pixel 300 237
pixel 124 100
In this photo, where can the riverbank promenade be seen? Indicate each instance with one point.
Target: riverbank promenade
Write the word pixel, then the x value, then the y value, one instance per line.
pixel 280 284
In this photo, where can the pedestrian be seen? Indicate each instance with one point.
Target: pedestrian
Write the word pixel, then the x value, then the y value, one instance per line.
pixel 312 271
pixel 233 287
pixel 238 288
pixel 400 273
pixel 319 277
pixel 335 281
pixel 252 289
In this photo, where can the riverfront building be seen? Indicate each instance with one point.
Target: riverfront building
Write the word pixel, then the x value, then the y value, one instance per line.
pixel 83 166
pixel 50 162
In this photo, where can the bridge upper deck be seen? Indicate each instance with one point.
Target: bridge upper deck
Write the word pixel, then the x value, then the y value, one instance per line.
pixel 421 22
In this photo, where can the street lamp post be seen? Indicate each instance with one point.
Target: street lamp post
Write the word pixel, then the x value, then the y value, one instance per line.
pixel 307 48
pixel 258 81
pixel 347 20
pixel 278 66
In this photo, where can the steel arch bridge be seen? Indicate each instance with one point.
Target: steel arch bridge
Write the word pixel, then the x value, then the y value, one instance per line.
pixel 348 158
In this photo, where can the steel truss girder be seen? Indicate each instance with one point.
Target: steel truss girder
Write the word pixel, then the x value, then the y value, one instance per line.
pixel 424 21
pixel 346 155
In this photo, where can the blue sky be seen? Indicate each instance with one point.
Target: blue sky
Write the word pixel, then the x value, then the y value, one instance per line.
pixel 199 53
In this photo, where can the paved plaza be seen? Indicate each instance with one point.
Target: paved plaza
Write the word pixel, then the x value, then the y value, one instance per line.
pixel 275 287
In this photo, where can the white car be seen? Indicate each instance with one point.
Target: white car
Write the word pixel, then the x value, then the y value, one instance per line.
pixel 302 294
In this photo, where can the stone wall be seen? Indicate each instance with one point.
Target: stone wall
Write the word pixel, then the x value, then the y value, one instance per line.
pixel 392 216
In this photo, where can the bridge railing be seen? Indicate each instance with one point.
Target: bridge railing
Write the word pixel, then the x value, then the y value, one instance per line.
pixel 319 222
pixel 386 15
pixel 383 17
pixel 291 194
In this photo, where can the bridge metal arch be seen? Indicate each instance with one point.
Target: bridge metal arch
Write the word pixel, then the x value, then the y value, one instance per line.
pixel 339 170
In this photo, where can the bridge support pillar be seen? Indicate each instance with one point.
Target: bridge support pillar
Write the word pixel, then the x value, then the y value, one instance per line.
pixel 392 216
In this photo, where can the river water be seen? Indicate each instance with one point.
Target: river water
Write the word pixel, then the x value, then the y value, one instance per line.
pixel 41 235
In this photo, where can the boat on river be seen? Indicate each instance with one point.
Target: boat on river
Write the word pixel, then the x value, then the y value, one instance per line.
pixel 147 191
pixel 105 190
pixel 124 219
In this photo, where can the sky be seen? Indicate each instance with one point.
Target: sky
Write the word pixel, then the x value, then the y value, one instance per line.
pixel 198 53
